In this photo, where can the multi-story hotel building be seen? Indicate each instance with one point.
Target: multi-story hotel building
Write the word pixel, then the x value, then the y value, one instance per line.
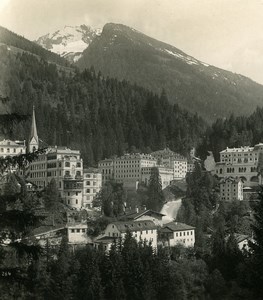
pixel 231 189
pixel 172 160
pixel 240 162
pixel 92 182
pixel 66 167
pixel 128 168
pixel 166 175
pixel 106 168
pixel 60 163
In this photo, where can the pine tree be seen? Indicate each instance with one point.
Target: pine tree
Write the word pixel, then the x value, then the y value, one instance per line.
pixel 17 219
pixel 155 193
pixel 51 196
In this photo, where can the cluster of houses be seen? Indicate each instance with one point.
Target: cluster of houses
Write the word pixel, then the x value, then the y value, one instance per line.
pixel 144 225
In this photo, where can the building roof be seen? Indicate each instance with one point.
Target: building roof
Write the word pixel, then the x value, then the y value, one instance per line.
pixel 231 179
pixel 176 226
pixel 91 170
pixel 105 239
pixel 46 229
pixel 10 143
pixel 241 149
pixel 149 212
pixel 134 225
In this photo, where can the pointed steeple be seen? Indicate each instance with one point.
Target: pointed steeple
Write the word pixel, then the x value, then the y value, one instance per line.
pixel 33 138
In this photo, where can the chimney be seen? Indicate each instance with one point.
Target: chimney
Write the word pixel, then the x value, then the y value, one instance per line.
pixel 136 209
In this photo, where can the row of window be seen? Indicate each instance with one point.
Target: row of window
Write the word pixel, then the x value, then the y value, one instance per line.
pixel 38 175
pixel 15 150
pixel 91 182
pixel 177 234
pixel 94 191
pixel 91 176
pixel 67 164
pixel 37 166
pixel 78 230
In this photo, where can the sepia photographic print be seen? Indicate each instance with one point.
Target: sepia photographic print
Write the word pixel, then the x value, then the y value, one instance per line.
pixel 131 149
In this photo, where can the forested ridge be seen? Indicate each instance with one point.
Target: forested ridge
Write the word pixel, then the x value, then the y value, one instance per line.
pixel 100 116
pixel 233 132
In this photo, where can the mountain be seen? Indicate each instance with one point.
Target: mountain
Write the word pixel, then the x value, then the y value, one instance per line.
pixel 70 41
pixel 125 53
pixel 100 116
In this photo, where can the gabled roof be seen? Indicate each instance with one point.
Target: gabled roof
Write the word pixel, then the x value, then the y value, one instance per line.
pixel 134 225
pixel 135 215
pixel 46 229
pixel 230 179
pixel 105 239
pixel 176 226
pixel 10 143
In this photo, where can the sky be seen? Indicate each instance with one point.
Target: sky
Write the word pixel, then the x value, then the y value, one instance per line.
pixel 225 33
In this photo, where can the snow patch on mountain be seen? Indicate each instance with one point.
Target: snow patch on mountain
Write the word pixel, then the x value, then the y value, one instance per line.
pixel 188 59
pixel 70 41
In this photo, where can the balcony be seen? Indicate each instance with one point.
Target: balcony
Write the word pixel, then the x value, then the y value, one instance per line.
pixel 68 177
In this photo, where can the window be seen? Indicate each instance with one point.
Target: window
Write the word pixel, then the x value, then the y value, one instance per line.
pixel 87 190
pixel 78 230
pixel 78 165
pixel 72 230
pixel 83 230
pixel 87 182
pixel 67 164
pixel 77 201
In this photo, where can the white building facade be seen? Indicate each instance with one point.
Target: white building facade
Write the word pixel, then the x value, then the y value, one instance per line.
pixel 143 230
pixel 175 233
pixel 92 182
pixel 231 189
pixel 12 148
pixel 240 162
pixel 166 175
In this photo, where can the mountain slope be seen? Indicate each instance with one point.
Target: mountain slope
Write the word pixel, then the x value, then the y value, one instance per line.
pixel 83 110
pixel 12 39
pixel 70 41
pixel 125 53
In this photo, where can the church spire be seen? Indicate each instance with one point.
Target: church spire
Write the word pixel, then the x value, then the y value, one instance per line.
pixel 33 139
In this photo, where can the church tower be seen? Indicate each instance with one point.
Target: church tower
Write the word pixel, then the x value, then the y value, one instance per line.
pixel 33 138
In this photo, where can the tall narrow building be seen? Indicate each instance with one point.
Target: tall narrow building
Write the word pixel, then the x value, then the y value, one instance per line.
pixel 33 144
